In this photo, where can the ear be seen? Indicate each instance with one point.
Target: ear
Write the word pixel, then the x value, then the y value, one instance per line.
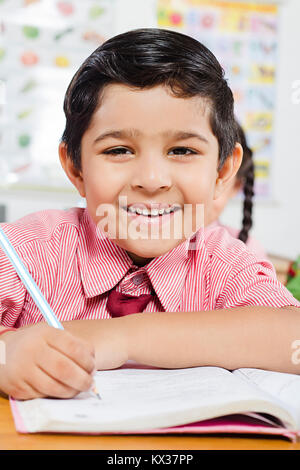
pixel 229 169
pixel 74 175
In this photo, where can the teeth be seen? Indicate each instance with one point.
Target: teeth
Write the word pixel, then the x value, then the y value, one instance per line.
pixel 152 212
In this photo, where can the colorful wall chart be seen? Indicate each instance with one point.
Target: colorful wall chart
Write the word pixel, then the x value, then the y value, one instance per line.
pixel 42 44
pixel 243 36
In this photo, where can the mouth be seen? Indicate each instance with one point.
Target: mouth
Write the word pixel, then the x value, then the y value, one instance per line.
pixel 153 212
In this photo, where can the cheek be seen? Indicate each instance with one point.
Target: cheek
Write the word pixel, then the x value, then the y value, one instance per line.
pixel 198 185
pixel 102 184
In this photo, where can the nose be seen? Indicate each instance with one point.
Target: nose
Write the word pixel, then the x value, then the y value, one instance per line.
pixel 151 175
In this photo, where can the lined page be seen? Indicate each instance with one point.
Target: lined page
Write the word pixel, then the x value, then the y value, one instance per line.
pixel 285 387
pixel 139 399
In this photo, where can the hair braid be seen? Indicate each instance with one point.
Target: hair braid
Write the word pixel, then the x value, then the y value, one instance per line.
pixel 246 176
pixel 248 204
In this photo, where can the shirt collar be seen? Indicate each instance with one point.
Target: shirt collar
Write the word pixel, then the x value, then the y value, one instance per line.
pixel 102 265
pixel 167 274
pixel 212 225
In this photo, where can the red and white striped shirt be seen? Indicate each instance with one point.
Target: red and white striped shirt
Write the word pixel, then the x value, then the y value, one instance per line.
pixel 75 268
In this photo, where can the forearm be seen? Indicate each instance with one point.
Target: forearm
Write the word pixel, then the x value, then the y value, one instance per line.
pixel 259 337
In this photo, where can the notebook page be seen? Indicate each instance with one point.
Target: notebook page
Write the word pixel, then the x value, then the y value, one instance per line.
pixel 285 387
pixel 138 399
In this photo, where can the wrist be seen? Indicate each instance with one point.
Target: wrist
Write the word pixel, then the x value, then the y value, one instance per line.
pixel 4 332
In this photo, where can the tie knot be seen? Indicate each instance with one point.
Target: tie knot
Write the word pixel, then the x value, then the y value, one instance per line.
pixel 119 304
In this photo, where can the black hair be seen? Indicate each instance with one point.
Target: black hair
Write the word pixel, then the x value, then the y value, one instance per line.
pixel 144 58
pixel 245 175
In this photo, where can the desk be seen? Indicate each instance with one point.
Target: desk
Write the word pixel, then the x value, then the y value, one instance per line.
pixel 11 440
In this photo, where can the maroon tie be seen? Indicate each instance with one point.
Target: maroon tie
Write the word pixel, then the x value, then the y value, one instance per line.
pixel 119 304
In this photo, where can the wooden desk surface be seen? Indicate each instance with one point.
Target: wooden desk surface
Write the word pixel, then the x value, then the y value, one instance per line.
pixel 11 440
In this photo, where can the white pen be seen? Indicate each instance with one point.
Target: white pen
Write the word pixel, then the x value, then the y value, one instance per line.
pixel 31 286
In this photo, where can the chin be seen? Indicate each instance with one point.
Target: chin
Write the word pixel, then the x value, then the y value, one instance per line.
pixel 149 248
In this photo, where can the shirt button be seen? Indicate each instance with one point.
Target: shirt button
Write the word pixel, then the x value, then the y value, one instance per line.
pixel 138 279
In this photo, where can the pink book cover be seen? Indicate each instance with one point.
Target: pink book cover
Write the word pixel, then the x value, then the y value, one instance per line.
pixel 231 424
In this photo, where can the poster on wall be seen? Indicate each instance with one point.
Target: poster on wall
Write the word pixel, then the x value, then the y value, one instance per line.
pixel 244 37
pixel 42 44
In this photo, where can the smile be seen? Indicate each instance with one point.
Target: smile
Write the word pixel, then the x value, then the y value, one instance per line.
pixel 151 212
pixel 151 216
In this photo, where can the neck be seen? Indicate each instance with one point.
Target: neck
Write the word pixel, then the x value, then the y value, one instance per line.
pixel 139 260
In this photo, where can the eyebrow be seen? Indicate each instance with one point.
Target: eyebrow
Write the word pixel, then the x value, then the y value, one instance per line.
pixel 131 133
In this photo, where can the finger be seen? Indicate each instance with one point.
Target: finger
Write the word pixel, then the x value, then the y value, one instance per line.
pixel 62 369
pixel 47 386
pixel 77 350
pixel 23 391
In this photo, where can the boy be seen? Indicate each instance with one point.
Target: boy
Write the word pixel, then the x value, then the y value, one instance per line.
pixel 150 139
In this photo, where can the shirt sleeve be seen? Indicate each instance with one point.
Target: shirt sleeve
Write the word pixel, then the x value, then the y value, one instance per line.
pixel 253 282
pixel 252 243
pixel 12 293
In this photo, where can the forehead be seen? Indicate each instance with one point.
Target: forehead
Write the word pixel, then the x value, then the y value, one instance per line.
pixel 150 110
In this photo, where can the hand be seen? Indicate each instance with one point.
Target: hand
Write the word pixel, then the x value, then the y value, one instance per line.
pixel 44 361
pixel 110 339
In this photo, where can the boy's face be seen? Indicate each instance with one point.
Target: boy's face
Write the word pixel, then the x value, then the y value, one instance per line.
pixel 146 149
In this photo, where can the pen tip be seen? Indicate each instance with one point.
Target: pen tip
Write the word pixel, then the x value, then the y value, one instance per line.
pixel 96 393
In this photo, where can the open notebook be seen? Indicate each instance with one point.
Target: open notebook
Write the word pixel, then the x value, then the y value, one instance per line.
pixel 138 399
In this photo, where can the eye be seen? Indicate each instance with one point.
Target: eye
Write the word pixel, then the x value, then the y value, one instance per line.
pixel 181 152
pixel 118 153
